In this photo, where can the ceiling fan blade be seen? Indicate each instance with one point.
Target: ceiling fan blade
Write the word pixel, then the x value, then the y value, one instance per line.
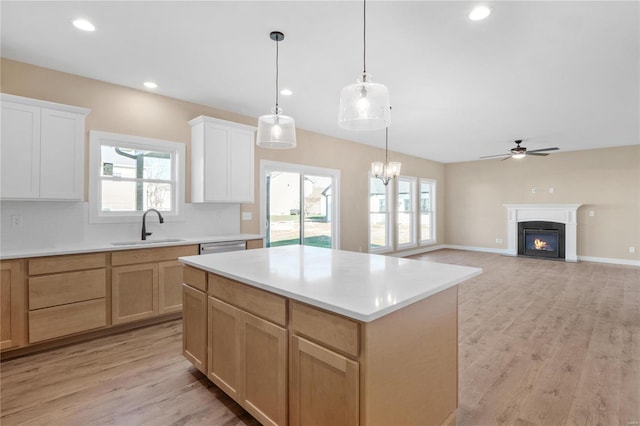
pixel 506 158
pixel 543 149
pixel 541 154
pixel 498 155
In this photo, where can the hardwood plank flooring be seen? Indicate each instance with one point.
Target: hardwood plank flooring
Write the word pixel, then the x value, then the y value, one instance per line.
pixel 540 343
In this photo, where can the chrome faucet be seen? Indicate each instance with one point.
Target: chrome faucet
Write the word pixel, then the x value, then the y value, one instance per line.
pixel 144 226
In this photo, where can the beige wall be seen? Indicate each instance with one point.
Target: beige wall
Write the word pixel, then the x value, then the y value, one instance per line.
pixel 606 181
pixel 136 112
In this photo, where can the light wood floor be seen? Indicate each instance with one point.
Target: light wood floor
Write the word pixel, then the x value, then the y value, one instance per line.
pixel 541 343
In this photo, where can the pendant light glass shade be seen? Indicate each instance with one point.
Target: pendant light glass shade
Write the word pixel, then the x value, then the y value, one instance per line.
pixel 364 106
pixel 276 131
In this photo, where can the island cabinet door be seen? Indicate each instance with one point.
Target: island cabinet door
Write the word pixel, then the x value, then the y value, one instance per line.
pixel 323 387
pixel 264 370
pixel 223 347
pixel 194 327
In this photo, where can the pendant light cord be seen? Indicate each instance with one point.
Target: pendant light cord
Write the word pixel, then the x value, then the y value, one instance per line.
pixel 386 146
pixel 364 43
pixel 277 70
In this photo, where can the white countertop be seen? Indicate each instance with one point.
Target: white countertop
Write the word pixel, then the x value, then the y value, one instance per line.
pixel 97 246
pixel 357 285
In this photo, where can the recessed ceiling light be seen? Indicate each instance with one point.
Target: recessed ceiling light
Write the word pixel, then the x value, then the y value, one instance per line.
pixel 286 92
pixel 150 85
pixel 83 24
pixel 480 13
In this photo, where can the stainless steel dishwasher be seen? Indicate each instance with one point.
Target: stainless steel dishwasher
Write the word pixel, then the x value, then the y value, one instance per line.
pixel 222 246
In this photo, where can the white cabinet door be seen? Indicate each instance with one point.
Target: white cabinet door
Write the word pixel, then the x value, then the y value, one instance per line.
pixel 222 161
pixel 216 167
pixel 42 150
pixel 241 166
pixel 62 155
pixel 20 151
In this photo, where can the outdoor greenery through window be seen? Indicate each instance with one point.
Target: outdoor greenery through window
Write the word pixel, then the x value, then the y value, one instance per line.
pixel 299 205
pixel 132 174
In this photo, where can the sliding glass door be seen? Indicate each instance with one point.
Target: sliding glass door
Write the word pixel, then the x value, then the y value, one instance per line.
pixel 299 205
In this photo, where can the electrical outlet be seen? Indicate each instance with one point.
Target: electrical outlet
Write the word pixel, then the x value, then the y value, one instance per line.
pixel 533 190
pixel 499 240
pixel 632 249
pixel 247 216
pixel 551 190
pixel 16 221
pixel 592 213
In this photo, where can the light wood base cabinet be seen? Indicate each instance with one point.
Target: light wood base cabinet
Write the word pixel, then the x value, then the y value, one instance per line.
pixel 400 369
pixel 248 361
pixel 12 304
pixel 324 386
pixel 134 292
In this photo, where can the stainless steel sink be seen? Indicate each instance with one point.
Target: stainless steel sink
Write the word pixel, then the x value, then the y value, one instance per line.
pixel 146 242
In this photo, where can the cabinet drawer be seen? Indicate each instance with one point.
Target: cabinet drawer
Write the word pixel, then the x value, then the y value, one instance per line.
pixel 159 254
pixel 62 320
pixel 60 289
pixel 330 329
pixel 196 278
pixel 258 302
pixel 76 262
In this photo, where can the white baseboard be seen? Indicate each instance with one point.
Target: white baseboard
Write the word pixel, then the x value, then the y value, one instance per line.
pixel 505 252
pixel 609 260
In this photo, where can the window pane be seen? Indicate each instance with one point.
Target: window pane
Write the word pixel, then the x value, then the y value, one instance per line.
pixel 283 192
pixel 426 214
pixel 404 228
pixel 317 210
pixel 378 231
pixel 132 163
pixel 404 196
pixel 119 196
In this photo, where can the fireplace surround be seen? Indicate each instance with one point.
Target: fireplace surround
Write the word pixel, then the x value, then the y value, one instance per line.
pixel 565 214
pixel 541 239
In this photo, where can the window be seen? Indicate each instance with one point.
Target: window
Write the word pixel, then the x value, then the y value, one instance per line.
pixel 379 216
pixel 427 211
pixel 130 174
pixel 300 204
pixel 406 212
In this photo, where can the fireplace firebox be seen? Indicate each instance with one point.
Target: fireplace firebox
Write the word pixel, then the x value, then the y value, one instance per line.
pixel 541 239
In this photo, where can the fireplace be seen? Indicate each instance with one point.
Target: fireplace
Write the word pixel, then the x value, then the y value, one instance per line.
pixel 557 214
pixel 541 239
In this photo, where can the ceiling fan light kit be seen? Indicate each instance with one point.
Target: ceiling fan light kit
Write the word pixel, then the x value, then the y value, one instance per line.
pixel 364 105
pixel 521 152
pixel 275 130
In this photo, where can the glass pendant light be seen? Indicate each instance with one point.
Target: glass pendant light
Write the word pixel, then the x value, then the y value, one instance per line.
pixel 387 170
pixel 364 105
pixel 276 130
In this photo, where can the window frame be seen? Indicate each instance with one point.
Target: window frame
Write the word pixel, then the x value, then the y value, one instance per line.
pixel 389 223
pixel 432 216
pixel 412 212
pixel 97 139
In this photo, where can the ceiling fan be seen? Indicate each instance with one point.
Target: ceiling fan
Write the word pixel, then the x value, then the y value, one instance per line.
pixel 521 151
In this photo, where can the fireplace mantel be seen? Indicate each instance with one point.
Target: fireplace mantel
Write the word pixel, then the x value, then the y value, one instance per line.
pixel 560 213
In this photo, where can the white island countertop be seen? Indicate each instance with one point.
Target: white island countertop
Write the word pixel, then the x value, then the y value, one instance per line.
pixel 360 286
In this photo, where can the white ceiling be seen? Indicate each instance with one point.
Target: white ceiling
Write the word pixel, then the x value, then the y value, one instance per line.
pixel 561 73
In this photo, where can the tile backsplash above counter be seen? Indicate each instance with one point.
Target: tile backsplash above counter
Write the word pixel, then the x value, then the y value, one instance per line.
pixel 38 228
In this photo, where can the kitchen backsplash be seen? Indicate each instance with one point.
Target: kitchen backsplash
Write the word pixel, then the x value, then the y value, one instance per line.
pixel 41 224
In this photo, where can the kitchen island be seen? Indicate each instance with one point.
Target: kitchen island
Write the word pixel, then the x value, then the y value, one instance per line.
pixel 306 335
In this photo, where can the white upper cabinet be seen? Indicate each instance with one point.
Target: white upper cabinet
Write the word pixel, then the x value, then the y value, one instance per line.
pixel 222 161
pixel 42 151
